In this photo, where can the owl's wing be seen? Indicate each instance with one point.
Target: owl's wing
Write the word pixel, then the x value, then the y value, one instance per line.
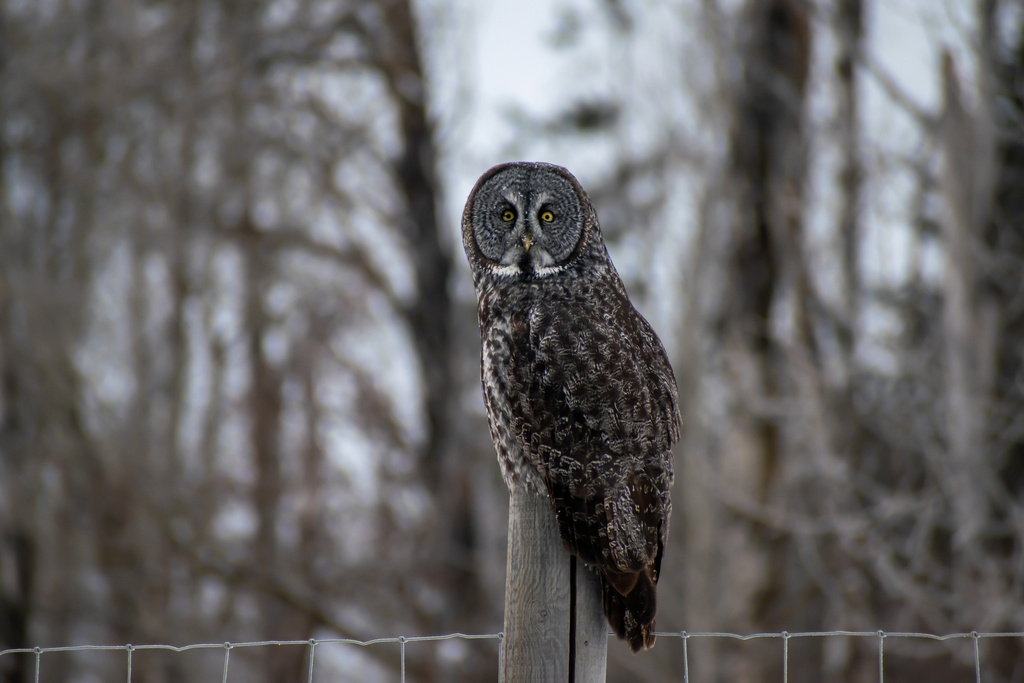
pixel 598 398
pixel 598 419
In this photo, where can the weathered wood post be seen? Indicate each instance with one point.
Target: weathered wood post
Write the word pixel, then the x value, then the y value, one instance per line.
pixel 555 629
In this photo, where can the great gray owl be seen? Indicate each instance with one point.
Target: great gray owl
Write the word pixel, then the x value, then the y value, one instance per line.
pixel 580 397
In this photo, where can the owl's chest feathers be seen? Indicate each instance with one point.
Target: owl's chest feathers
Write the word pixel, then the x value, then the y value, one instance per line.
pixel 505 333
pixel 512 321
pixel 527 361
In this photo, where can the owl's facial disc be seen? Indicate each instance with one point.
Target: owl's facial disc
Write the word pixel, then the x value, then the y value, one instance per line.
pixel 527 222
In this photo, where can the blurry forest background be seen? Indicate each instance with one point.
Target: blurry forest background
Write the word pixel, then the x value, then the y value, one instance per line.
pixel 239 389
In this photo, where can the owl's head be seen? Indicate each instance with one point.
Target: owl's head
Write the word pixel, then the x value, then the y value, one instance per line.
pixel 527 221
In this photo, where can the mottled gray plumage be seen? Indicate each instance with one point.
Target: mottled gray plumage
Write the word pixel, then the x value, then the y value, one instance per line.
pixel 580 397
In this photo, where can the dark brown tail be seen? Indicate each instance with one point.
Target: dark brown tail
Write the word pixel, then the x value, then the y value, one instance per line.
pixel 630 603
pixel 628 595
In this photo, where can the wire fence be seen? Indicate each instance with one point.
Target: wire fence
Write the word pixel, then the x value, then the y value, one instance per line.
pixel 402 641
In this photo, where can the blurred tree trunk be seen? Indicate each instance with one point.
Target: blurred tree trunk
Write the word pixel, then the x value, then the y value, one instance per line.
pixel 445 467
pixel 848 29
pixel 415 169
pixel 45 270
pixel 17 542
pixel 279 664
pixel 997 195
pixel 764 271
pixel 30 394
pixel 970 316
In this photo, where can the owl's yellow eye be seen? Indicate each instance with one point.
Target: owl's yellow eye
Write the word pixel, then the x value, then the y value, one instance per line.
pixel 547 216
pixel 508 215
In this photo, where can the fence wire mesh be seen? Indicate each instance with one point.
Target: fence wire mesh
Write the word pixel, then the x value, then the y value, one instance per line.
pixel 313 643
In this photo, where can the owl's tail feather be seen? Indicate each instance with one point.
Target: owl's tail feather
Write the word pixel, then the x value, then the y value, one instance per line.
pixel 630 603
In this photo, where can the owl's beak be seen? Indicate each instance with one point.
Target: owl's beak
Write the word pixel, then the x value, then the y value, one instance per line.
pixel 526 243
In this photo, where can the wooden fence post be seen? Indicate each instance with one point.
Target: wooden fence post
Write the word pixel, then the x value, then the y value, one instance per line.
pixel 555 629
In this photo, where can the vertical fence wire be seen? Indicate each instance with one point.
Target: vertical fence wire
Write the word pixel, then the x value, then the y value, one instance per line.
pixel 227 659
pixel 977 658
pixel 881 649
pixel 312 652
pixel 686 658
pixel 785 657
pixel 501 645
pixel 129 649
pixel 401 645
